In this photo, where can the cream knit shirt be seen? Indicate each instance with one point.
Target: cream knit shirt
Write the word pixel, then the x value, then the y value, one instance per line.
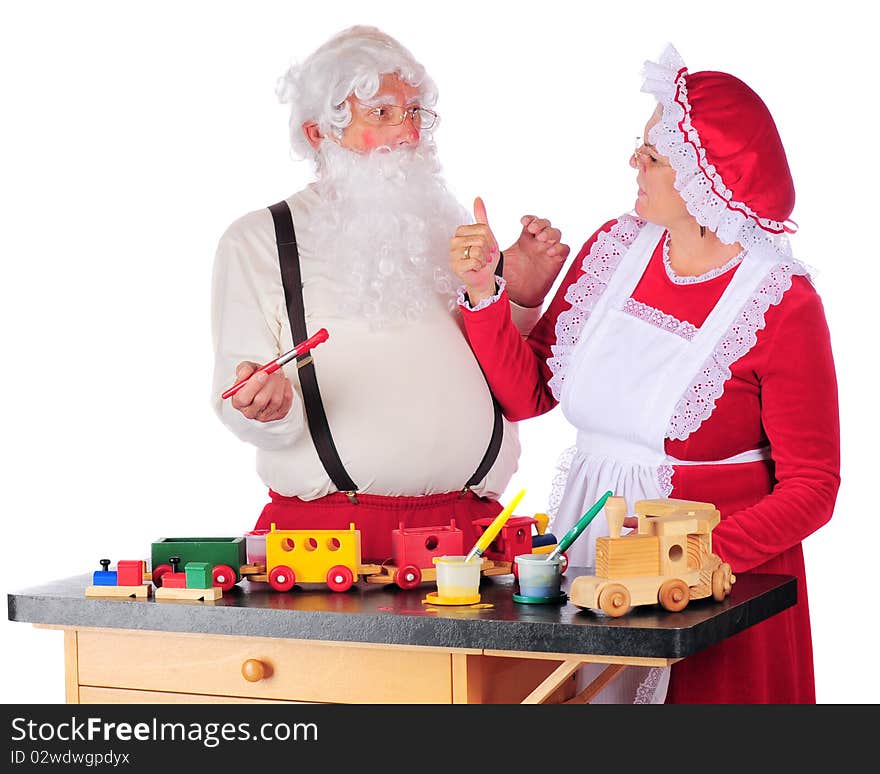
pixel 408 407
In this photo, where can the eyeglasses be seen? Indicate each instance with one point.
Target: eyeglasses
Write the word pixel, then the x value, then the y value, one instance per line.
pixel 394 115
pixel 643 155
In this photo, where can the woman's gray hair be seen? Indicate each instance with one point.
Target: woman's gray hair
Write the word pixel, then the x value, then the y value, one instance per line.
pixel 351 62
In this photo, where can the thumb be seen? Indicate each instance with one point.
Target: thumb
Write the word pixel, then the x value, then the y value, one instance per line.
pixel 480 211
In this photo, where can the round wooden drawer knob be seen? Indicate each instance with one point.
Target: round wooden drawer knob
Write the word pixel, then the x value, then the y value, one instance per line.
pixel 253 670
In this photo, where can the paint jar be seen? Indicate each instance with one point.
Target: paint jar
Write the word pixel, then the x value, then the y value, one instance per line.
pixel 458 579
pixel 255 546
pixel 538 577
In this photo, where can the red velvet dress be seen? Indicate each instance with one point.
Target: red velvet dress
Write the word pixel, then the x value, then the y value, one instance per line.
pixel 783 391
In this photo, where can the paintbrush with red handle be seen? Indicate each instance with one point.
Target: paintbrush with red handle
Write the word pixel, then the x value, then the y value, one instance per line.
pixel 270 368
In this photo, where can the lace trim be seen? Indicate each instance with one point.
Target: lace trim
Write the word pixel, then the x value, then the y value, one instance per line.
pixel 660 319
pixel 557 485
pixel 463 302
pixel 711 274
pixel 664 479
pixel 706 196
pixel 598 266
pixel 698 402
pixel 647 690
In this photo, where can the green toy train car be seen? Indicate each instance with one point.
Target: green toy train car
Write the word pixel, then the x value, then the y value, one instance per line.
pixel 226 555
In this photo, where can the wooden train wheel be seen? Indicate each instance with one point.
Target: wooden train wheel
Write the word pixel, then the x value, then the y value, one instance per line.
pixel 340 578
pixel 614 600
pixel 281 578
pixel 674 595
pixel 722 580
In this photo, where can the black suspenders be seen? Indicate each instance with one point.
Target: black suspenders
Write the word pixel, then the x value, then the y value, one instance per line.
pixel 291 279
pixel 288 256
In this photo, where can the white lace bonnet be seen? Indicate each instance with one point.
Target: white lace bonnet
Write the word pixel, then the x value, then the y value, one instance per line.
pixel 730 166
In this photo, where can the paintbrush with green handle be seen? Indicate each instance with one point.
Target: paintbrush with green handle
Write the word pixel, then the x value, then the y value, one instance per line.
pixel 576 530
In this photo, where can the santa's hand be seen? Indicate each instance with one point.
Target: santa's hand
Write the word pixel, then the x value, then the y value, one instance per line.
pixel 473 256
pixel 533 262
pixel 265 397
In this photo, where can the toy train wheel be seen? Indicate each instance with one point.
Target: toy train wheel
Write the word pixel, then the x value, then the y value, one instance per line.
pixel 722 580
pixel 340 578
pixel 564 566
pixel 282 578
pixel 158 572
pixel 408 577
pixel 224 576
pixel 614 600
pixel 515 568
pixel 674 595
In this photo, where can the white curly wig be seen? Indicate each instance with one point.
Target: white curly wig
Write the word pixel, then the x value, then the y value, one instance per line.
pixel 351 62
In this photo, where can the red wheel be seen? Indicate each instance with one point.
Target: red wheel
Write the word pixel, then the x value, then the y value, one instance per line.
pixel 515 568
pixel 281 578
pixel 564 566
pixel 408 577
pixel 340 578
pixel 224 576
pixel 159 572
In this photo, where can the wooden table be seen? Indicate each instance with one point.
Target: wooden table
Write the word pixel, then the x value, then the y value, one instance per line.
pixel 372 644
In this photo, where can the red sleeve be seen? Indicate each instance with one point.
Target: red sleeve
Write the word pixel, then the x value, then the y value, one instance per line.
pixel 516 369
pixel 799 412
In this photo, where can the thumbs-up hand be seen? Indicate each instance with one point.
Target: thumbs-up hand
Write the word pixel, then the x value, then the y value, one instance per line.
pixel 474 254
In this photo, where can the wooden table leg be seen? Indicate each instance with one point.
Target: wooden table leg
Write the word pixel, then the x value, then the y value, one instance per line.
pixel 587 695
pixel 558 676
pixel 71 667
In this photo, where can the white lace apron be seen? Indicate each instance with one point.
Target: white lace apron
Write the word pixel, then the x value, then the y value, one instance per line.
pixel 624 380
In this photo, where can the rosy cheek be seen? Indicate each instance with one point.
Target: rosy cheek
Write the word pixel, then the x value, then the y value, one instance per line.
pixel 369 140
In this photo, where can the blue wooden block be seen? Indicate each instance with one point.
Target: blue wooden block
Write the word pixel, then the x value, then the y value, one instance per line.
pixel 104 578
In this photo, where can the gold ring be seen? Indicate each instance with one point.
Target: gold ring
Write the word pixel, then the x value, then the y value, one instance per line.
pixel 467 252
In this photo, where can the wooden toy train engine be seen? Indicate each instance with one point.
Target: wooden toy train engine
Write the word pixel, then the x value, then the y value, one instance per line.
pixel 668 561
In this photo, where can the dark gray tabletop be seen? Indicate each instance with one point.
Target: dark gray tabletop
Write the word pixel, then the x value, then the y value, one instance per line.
pixel 385 614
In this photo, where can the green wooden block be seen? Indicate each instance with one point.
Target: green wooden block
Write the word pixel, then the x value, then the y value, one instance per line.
pixel 198 575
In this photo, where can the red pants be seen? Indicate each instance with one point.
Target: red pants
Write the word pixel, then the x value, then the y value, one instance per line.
pixel 375 516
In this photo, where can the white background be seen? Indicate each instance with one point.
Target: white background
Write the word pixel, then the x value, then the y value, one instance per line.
pixel 132 134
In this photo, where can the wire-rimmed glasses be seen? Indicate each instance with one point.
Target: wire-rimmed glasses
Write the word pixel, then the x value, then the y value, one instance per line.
pixel 394 115
pixel 643 155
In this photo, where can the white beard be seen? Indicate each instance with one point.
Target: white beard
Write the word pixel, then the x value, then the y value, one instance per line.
pixel 383 228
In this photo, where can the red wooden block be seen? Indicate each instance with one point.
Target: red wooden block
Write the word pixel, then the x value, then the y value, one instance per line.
pixel 130 572
pixel 419 545
pixel 174 580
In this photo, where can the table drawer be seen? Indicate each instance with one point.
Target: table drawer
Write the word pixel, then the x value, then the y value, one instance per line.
pixel 297 670
pixel 91 695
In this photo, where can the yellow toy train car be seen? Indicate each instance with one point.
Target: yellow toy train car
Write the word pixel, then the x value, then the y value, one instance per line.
pixel 330 556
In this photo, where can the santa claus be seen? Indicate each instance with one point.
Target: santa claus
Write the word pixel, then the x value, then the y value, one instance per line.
pixel 392 422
